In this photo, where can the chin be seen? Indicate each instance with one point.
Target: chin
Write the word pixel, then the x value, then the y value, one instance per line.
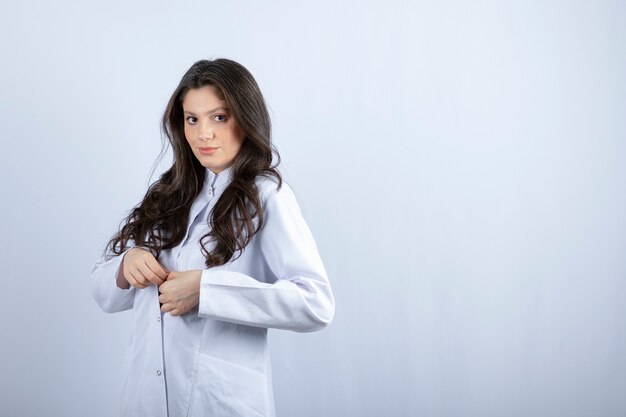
pixel 215 168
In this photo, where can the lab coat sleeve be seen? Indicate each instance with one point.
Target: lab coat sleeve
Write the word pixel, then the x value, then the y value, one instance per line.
pixel 104 289
pixel 300 299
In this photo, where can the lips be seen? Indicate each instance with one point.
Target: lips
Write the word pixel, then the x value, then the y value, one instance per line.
pixel 207 150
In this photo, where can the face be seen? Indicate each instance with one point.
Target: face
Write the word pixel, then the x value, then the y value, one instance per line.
pixel 210 128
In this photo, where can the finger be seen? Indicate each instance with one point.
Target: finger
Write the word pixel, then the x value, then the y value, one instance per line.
pixel 140 286
pixel 138 275
pixel 175 312
pixel 133 281
pixel 156 268
pixel 167 307
pixel 149 275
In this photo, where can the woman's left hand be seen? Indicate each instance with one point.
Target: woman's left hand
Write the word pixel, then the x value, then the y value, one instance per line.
pixel 180 292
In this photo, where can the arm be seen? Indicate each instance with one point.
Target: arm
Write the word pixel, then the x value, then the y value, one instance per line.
pixel 105 276
pixel 301 298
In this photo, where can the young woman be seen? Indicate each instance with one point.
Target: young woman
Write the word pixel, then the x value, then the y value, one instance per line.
pixel 215 254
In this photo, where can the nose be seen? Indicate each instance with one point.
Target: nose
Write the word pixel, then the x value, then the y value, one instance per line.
pixel 205 132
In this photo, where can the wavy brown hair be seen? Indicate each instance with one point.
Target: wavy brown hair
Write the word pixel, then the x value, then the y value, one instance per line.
pixel 159 222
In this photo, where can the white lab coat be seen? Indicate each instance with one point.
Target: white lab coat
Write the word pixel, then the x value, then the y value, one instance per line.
pixel 214 360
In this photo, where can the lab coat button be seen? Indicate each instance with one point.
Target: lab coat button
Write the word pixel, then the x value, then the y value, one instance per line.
pixel 158 372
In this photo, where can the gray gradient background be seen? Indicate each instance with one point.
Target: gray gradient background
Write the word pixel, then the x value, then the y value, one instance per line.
pixel 461 165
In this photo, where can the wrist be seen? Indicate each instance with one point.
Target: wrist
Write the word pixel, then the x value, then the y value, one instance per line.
pixel 120 281
pixel 198 278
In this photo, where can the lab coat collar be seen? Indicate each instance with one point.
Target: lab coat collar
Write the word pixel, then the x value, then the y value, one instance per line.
pixel 219 180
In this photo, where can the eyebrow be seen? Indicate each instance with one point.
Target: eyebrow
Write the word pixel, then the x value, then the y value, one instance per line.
pixel 210 111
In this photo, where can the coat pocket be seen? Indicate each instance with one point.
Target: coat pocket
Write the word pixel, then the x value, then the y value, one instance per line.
pixel 224 388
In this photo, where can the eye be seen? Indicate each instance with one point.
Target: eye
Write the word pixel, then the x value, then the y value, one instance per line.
pixel 191 120
pixel 222 116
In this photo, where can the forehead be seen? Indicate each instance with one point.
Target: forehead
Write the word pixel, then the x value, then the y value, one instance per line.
pixel 202 98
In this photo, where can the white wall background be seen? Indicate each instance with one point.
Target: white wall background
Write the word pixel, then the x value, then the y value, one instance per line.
pixel 461 165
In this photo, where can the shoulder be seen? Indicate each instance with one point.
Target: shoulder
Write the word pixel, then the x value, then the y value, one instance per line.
pixel 272 196
pixel 269 189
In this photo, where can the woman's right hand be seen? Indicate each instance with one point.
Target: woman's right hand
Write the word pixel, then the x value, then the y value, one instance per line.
pixel 141 269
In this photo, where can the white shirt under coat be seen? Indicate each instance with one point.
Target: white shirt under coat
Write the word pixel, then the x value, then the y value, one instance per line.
pixel 214 360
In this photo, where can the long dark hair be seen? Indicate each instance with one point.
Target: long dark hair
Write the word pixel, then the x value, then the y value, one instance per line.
pixel 159 222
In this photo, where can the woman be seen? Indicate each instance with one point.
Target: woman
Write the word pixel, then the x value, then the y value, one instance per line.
pixel 215 254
